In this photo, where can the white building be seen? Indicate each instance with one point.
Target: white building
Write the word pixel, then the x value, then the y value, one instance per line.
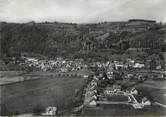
pixel 139 65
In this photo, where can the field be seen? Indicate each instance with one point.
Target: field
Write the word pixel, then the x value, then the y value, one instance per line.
pixel 35 95
pixel 118 98
pixel 122 110
pixel 156 89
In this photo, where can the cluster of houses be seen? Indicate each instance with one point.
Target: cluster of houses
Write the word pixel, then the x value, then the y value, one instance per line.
pixel 50 111
pixel 58 64
pixel 116 95
pixel 130 64
pixel 130 69
pixel 116 65
pixel 91 93
pixel 96 94
pixel 113 95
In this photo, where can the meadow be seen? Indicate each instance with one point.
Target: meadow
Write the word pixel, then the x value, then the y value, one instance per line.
pixel 35 95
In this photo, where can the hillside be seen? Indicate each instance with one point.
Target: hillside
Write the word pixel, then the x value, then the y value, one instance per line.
pixel 76 40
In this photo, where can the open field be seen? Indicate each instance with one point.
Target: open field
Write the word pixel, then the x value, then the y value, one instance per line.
pixel 156 89
pixel 123 110
pixel 21 97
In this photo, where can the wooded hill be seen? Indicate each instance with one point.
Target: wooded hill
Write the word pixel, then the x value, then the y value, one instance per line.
pixel 77 40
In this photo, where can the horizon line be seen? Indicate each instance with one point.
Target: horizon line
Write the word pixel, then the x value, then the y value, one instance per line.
pixel 46 21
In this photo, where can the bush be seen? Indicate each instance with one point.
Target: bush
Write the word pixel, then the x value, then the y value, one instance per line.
pixel 37 110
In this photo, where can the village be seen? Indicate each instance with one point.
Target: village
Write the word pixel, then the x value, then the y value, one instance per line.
pixel 87 70
pixel 56 65
pixel 110 82
pixel 114 84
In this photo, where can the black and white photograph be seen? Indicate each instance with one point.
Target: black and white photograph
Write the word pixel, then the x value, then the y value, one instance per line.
pixel 82 58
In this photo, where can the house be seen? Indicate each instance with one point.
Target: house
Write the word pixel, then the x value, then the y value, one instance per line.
pixel 119 66
pixel 93 83
pixel 137 106
pixel 94 97
pixel 117 87
pixel 145 102
pixel 93 103
pixel 139 65
pixel 50 111
pixel 133 91
pixel 85 76
pixel 158 67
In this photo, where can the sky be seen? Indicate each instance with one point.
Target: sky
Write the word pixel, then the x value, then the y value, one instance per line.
pixel 81 11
